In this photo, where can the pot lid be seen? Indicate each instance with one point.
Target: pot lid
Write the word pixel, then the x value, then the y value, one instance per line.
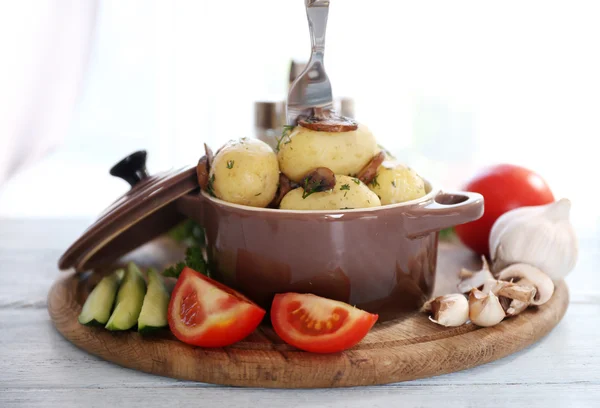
pixel 146 211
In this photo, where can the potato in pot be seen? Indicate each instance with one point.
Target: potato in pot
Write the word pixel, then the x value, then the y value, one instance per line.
pixel 348 193
pixel 397 183
pixel 245 172
pixel 343 152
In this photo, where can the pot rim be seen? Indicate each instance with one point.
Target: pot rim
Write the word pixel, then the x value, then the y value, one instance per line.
pixel 432 193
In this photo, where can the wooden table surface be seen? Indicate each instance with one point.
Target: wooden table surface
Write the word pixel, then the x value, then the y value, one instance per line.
pixel 38 368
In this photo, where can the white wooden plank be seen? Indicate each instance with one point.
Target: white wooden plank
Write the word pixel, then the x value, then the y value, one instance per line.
pixel 405 396
pixel 38 368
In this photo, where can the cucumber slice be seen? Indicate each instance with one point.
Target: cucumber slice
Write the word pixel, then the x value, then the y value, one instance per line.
pixel 129 300
pixel 156 303
pixel 99 303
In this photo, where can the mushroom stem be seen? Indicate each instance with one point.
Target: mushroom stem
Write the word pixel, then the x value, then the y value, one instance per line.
pixel 514 291
pixel 527 275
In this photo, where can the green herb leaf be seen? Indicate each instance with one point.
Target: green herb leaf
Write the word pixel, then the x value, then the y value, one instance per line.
pixel 285 136
pixel 446 234
pixel 230 164
pixel 189 233
pixel 194 259
pixel 175 270
pixel 374 182
pixel 209 189
pixel 345 187
pixel 357 181
pixel 394 183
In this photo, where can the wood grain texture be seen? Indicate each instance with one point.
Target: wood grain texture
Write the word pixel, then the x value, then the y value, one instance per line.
pixel 404 349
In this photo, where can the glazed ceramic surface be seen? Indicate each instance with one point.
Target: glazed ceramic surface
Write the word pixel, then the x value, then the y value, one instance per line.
pixel 382 259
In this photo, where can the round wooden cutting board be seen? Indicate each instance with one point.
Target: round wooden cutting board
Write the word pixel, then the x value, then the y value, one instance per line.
pixel 399 350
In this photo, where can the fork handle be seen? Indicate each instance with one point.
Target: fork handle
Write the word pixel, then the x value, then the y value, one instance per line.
pixel 317 12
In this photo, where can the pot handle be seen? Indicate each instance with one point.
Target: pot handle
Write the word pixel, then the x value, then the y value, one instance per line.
pixel 446 210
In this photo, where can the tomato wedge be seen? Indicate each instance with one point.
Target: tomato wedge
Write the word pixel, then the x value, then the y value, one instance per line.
pixel 317 324
pixel 206 313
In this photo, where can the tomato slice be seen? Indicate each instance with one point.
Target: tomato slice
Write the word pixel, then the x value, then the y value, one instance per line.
pixel 206 313
pixel 320 325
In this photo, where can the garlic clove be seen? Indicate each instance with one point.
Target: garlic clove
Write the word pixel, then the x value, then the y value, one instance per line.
pixel 528 275
pixel 541 236
pixel 514 298
pixel 485 310
pixel 476 279
pixel 448 310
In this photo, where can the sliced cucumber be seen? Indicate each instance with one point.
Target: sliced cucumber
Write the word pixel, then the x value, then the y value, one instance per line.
pixel 156 303
pixel 129 300
pixel 99 303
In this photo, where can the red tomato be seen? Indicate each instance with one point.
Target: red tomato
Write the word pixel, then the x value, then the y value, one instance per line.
pixel 504 188
pixel 319 325
pixel 206 313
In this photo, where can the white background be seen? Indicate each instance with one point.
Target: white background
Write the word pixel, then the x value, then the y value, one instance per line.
pixel 449 86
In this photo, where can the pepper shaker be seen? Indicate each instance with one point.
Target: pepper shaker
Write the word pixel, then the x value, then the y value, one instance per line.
pixel 269 118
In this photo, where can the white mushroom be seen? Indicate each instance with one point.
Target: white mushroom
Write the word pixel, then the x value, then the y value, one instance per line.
pixel 448 310
pixel 485 309
pixel 474 279
pixel 527 275
pixel 514 297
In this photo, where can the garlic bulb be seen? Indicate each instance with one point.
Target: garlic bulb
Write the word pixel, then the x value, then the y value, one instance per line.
pixel 541 236
pixel 448 310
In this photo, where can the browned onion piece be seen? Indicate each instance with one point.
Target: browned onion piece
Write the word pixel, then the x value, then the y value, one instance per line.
pixel 368 173
pixel 317 180
pixel 209 154
pixel 329 122
pixel 202 172
pixel 285 186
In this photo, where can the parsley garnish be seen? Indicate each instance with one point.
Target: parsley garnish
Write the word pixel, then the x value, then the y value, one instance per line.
pixel 209 188
pixel 394 183
pixel 287 129
pixel 374 182
pixel 345 187
pixel 256 195
pixel 193 259
pixel 308 191
pixel 357 181
pixel 230 164
pixel 189 233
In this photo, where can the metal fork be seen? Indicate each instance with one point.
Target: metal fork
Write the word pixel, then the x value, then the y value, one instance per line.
pixel 312 89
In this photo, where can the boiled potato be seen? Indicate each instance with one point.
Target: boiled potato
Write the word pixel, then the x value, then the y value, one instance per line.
pixel 396 183
pixel 245 172
pixel 348 193
pixel 343 152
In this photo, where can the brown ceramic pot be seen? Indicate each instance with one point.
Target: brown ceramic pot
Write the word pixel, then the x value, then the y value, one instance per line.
pixel 382 259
